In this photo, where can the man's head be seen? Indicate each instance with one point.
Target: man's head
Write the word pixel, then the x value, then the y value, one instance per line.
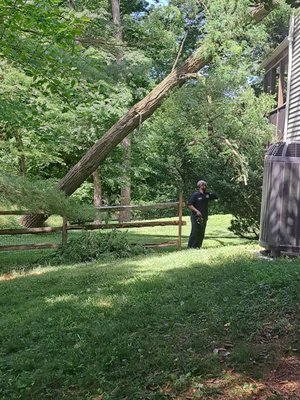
pixel 202 185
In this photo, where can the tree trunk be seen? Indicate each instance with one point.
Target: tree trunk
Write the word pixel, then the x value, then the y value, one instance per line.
pixel 97 194
pixel 137 114
pixel 21 156
pixel 124 216
pixel 210 127
pixel 131 120
pixel 22 170
pixel 115 10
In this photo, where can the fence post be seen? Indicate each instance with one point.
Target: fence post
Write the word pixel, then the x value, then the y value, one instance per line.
pixel 64 232
pixel 180 204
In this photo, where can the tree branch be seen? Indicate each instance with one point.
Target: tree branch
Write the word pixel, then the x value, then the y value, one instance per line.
pixel 146 107
pixel 179 51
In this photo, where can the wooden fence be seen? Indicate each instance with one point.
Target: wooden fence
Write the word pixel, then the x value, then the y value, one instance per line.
pixel 67 227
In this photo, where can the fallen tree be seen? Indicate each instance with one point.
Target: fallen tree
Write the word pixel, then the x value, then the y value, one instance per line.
pixel 139 113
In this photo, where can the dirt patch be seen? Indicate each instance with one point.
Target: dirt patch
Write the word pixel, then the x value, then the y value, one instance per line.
pixel 9 276
pixel 284 380
pixel 282 383
pixel 6 277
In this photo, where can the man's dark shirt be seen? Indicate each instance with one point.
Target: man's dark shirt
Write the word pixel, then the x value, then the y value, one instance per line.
pixel 200 201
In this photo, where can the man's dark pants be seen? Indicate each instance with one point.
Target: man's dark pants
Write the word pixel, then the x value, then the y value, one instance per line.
pixel 197 233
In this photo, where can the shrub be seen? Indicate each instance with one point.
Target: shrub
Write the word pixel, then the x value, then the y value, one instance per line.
pixel 245 227
pixel 90 246
pixel 10 222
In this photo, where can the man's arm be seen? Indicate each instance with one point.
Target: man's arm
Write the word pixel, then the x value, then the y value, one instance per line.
pixel 213 196
pixel 194 209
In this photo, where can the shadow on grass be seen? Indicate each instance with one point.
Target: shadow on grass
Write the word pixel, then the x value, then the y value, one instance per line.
pixel 212 235
pixel 26 260
pixel 136 331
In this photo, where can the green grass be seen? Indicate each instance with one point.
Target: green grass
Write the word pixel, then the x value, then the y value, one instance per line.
pixel 150 327
pixel 217 235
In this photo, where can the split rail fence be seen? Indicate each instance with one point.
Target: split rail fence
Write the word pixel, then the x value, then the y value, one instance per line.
pixel 68 227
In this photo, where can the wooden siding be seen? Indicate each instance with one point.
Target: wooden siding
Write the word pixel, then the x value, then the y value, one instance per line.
pixel 276 83
pixel 277 118
pixel 293 123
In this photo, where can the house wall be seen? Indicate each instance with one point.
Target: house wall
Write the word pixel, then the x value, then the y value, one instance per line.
pixel 293 123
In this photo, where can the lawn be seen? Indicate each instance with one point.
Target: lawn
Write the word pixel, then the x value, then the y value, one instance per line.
pixel 217 235
pixel 218 323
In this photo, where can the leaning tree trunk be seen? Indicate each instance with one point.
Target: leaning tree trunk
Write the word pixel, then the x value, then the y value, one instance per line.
pixel 134 117
pixel 131 120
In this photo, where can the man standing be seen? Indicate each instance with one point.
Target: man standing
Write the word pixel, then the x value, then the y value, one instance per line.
pixel 198 204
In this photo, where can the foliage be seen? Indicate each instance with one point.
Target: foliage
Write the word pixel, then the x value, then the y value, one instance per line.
pixel 293 3
pixel 61 89
pixel 230 156
pixel 29 125
pixel 214 128
pixel 84 194
pixel 56 105
pixel 277 24
pixel 9 222
pixel 40 196
pixel 235 159
pixel 90 246
pixel 38 35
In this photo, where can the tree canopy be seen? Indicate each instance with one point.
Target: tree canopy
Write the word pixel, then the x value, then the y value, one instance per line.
pixel 62 90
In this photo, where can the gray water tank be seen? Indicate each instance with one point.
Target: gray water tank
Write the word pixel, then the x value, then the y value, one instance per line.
pixel 280 209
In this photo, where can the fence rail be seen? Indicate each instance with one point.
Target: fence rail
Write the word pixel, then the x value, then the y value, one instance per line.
pixel 33 246
pixel 121 225
pixel 138 207
pixel 65 227
pixel 106 208
pixel 18 212
pixel 30 231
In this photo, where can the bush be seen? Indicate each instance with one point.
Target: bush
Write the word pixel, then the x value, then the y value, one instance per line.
pixel 244 227
pixel 90 246
pixel 10 222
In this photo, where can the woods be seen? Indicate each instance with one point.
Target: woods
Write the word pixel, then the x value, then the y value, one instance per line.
pixel 139 113
pixel 68 101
